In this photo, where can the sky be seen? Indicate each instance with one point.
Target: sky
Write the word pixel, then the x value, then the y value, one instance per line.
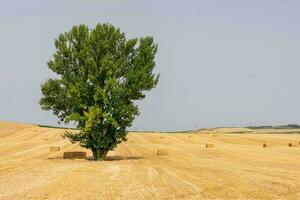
pixel 221 63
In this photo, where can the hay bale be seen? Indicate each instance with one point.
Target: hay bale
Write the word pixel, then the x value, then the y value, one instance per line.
pixel 291 144
pixel 54 148
pixel 190 136
pixel 162 152
pixel 75 155
pixel 209 145
pixel 264 145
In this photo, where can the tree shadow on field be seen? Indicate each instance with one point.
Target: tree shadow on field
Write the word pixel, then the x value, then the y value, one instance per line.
pixel 116 158
pixel 108 158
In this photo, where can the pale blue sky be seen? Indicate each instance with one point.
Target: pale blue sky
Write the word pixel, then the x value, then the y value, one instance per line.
pixel 222 63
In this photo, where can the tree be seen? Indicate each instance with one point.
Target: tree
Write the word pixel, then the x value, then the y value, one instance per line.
pixel 100 76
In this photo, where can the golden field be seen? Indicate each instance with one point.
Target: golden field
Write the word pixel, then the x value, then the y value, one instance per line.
pixel 235 166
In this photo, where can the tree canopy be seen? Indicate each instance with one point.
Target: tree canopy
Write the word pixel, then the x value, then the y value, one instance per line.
pixel 101 74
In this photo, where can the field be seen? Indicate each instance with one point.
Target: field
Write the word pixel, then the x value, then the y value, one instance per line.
pixel 236 167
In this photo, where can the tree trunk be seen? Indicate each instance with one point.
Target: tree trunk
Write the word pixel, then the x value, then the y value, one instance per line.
pixel 99 154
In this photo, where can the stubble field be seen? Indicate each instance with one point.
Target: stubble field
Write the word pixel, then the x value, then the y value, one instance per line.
pixel 236 167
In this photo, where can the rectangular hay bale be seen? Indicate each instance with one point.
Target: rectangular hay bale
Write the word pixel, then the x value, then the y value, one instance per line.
pixel 291 144
pixel 75 155
pixel 54 148
pixel 162 152
pixel 264 145
pixel 209 145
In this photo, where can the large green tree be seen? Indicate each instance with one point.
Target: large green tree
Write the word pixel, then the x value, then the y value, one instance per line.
pixel 101 74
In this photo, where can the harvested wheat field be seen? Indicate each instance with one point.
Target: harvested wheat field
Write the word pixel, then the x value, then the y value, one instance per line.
pixel 236 166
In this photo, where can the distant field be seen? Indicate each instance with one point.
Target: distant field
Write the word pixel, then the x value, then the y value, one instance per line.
pixel 235 166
